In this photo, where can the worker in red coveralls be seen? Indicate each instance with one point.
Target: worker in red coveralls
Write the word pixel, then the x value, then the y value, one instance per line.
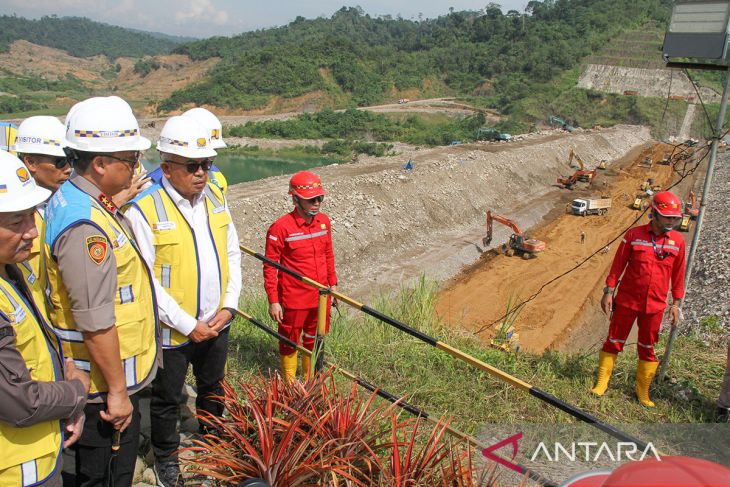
pixel 650 257
pixel 302 241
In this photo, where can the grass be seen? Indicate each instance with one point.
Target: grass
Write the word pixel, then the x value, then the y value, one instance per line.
pixel 443 386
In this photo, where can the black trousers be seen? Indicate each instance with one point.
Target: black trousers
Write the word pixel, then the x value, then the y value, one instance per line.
pixel 94 448
pixel 209 362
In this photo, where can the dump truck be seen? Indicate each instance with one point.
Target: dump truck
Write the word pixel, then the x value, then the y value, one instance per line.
pixel 527 247
pixel 590 206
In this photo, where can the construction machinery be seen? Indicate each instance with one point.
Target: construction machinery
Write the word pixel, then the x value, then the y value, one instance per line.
pixel 602 164
pixel 580 175
pixel 553 121
pixel 649 185
pixel 488 133
pixel 690 206
pixel 590 206
pixel 520 244
pixel 685 224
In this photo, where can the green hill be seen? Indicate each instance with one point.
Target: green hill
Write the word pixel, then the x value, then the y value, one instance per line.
pixel 82 37
pixel 354 58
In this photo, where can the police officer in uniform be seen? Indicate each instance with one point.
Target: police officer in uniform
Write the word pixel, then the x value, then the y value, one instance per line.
pixel 186 235
pixel 38 403
pixel 102 301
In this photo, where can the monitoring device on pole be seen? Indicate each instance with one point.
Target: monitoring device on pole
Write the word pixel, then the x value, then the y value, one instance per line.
pixel 697 29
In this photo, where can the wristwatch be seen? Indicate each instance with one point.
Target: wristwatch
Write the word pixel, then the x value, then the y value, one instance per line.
pixel 607 290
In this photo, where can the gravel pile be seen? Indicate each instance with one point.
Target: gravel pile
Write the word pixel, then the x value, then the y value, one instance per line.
pixel 709 288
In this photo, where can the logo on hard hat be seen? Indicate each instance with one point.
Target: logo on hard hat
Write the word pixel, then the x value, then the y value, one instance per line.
pixel 215 134
pixel 22 174
pixel 201 142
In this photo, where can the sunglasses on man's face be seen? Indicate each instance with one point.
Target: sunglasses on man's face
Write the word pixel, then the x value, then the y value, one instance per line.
pixel 316 199
pixel 193 166
pixel 58 162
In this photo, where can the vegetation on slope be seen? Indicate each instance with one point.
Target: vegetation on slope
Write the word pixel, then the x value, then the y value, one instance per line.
pixel 372 59
pixel 81 37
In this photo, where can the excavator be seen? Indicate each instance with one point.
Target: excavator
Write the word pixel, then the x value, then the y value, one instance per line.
pixel 582 174
pixel 528 248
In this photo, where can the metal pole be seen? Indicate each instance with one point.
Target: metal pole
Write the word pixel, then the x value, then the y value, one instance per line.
pixel 700 217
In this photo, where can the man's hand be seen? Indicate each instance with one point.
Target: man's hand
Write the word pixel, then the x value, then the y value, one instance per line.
pixel 119 410
pixel 202 332
pixel 276 312
pixel 675 315
pixel 607 303
pixel 74 427
pixel 126 195
pixel 71 372
pixel 221 319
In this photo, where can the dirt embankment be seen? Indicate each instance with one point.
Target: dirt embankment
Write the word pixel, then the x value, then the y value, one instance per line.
pixel 390 225
pixel 566 313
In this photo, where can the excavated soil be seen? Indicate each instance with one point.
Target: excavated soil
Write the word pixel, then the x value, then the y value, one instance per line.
pixel 391 225
pixel 566 314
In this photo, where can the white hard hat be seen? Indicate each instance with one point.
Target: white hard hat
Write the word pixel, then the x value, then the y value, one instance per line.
pixel 185 137
pixel 209 121
pixel 104 124
pixel 40 135
pixel 18 190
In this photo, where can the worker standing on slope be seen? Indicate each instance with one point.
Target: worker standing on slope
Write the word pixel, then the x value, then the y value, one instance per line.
pixel 102 302
pixel 186 235
pixel 302 241
pixel 38 394
pixel 650 257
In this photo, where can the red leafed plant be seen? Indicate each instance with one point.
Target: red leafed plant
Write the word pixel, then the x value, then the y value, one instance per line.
pixel 307 434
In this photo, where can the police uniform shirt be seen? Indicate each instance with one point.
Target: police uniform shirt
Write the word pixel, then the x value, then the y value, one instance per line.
pixel 26 401
pixel 91 286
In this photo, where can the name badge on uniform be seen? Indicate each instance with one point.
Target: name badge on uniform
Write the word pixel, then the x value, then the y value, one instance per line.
pixel 164 225
pixel 219 209
pixel 121 240
pixel 126 295
pixel 18 315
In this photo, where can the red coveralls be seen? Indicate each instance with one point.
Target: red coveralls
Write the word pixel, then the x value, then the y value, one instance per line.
pixel 306 249
pixel 642 295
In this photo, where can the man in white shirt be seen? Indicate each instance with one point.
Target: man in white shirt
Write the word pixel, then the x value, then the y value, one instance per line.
pixel 185 234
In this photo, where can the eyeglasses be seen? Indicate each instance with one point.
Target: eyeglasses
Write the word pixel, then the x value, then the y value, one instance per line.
pixel 193 166
pixel 131 162
pixel 316 199
pixel 58 162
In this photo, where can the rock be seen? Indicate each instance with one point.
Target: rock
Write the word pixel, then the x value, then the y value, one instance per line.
pixel 148 477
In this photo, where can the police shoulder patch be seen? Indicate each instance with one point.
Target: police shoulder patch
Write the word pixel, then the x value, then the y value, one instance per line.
pixel 97 247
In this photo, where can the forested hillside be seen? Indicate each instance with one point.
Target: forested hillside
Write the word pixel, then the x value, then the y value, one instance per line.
pixel 82 37
pixel 356 59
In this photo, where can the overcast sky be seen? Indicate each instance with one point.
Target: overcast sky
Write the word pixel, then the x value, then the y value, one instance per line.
pixel 205 18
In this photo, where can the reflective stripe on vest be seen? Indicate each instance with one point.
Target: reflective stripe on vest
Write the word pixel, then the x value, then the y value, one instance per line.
pixel 29 454
pixel 306 236
pixel 134 302
pixel 174 242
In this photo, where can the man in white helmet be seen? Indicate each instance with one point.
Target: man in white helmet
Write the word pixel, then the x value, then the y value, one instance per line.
pixel 210 122
pixel 39 144
pixel 186 235
pixel 102 302
pixel 40 398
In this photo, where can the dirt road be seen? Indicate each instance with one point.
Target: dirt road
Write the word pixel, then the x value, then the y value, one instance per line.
pixel 480 295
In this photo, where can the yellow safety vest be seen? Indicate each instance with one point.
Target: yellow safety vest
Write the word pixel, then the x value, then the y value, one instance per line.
pixel 31 454
pixel 135 307
pixel 34 269
pixel 176 252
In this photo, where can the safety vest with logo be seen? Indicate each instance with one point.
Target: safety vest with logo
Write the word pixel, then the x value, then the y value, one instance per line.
pixel 30 454
pixel 34 270
pixel 175 246
pixel 135 306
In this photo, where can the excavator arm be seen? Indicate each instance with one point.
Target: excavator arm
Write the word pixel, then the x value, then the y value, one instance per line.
pixel 577 158
pixel 499 219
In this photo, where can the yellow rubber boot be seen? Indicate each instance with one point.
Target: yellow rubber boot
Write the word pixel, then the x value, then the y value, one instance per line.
pixel 306 366
pixel 645 373
pixel 605 369
pixel 289 366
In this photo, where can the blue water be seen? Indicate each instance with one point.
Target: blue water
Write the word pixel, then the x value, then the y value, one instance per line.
pixel 238 169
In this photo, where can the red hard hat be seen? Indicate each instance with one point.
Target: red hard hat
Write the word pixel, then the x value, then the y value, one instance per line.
pixel 677 471
pixel 667 204
pixel 306 185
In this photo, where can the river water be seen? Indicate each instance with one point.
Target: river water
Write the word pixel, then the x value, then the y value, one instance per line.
pixel 239 168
